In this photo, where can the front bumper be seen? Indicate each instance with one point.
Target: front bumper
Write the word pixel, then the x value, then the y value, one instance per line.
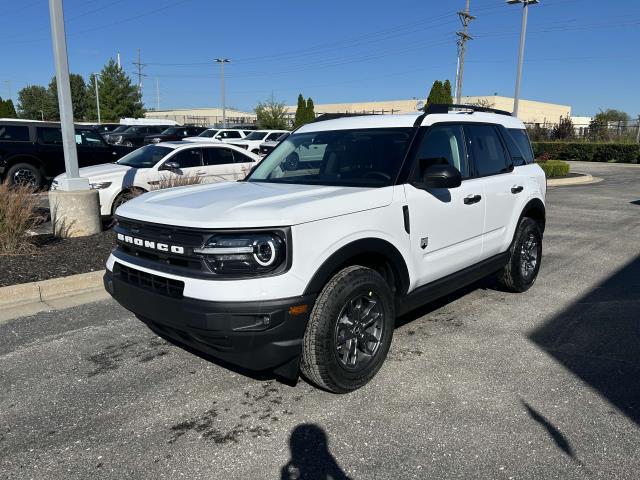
pixel 254 335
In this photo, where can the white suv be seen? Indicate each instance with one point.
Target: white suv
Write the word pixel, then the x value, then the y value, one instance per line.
pixel 219 134
pixel 252 141
pixel 345 225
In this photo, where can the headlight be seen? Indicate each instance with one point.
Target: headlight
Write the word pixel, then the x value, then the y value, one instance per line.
pixel 244 253
pixel 155 140
pixel 99 185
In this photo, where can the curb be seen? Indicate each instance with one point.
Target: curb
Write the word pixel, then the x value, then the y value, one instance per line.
pixel 582 180
pixel 48 290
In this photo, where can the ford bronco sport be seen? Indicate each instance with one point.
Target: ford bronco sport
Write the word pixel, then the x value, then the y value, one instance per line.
pixel 345 225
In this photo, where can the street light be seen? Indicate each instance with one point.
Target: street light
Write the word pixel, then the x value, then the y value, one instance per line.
pixel 95 80
pixel 222 61
pixel 523 34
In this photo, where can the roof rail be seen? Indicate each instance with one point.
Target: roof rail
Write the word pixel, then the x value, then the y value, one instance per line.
pixel 333 116
pixel 445 108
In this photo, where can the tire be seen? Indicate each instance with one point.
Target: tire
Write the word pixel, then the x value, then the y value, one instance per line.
pixel 25 174
pixel 328 358
pixel 124 197
pixel 525 256
pixel 255 151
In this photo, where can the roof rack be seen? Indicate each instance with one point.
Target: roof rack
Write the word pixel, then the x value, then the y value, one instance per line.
pixel 446 108
pixel 333 116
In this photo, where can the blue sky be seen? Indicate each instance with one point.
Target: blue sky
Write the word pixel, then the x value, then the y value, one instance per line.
pixel 583 53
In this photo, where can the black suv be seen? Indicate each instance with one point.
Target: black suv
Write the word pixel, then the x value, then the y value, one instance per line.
pixel 134 135
pixel 31 152
pixel 175 133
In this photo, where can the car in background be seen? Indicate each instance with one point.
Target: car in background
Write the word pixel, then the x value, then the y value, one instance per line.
pixel 134 135
pixel 165 164
pixel 102 128
pixel 174 133
pixel 266 147
pixel 219 134
pixel 252 141
pixel 31 151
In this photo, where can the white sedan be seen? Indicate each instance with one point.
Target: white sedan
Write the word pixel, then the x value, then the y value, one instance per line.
pixel 164 165
pixel 252 141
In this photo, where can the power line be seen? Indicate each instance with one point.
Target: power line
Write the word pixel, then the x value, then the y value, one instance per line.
pixel 139 66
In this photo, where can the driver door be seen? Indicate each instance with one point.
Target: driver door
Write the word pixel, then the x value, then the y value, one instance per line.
pixel 445 224
pixel 189 170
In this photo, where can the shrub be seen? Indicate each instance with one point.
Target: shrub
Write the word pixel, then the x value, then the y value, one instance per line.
pixel 589 152
pixel 17 215
pixel 555 168
pixel 173 181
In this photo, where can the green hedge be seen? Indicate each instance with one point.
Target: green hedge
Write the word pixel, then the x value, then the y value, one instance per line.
pixel 589 152
pixel 555 168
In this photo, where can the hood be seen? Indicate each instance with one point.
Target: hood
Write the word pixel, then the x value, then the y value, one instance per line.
pixel 107 172
pixel 251 204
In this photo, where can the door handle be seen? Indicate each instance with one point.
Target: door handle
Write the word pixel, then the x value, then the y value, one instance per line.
pixel 471 199
pixel 201 173
pixel 517 189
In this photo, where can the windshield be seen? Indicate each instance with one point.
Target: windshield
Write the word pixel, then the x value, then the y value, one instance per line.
pixel 120 128
pixel 350 158
pixel 170 131
pixel 145 157
pixel 256 136
pixel 208 133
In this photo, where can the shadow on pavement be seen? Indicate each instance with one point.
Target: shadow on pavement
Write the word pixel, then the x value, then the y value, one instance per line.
pixel 598 339
pixel 310 456
pixel 561 442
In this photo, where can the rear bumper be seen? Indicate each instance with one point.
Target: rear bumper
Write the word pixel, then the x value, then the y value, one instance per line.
pixel 256 335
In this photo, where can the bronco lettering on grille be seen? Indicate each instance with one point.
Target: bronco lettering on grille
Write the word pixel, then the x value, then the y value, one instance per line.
pixel 163 247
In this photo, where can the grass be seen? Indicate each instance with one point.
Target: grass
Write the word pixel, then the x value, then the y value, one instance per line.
pixel 17 215
pixel 555 168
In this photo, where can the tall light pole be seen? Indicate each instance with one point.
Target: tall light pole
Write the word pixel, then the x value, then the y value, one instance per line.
pixel 463 38
pixel 523 35
pixel 95 80
pixel 222 61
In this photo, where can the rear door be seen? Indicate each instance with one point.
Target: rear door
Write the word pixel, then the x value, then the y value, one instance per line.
pixel 495 170
pixel 189 169
pixel 445 224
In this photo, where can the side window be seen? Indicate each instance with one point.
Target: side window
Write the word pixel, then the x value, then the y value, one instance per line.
pixel 241 158
pixel 88 138
pixel 486 148
pixel 50 136
pixel 218 156
pixel 444 144
pixel 188 158
pixel 273 136
pixel 233 134
pixel 521 140
pixel 10 133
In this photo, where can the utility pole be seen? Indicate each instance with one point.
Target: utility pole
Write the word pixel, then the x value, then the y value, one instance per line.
pixel 157 94
pixel 638 134
pixel 140 66
pixel 118 57
pixel 95 80
pixel 523 36
pixel 463 37
pixel 222 61
pixel 8 82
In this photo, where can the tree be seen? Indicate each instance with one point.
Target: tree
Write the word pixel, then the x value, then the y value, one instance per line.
pixel 78 97
pixel 272 114
pixel 118 96
pixel 33 101
pixel 310 114
pixel 611 115
pixel 564 130
pixel 7 110
pixel 440 93
pixel 447 96
pixel 301 112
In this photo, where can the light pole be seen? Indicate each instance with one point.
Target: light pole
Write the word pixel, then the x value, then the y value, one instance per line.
pixel 95 80
pixel 222 61
pixel 523 35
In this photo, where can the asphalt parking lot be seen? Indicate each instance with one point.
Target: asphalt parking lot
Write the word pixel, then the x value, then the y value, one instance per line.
pixel 484 384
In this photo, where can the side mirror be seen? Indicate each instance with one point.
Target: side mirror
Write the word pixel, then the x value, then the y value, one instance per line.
pixel 170 166
pixel 439 175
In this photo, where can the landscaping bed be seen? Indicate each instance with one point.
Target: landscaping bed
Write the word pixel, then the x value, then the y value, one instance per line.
pixel 52 257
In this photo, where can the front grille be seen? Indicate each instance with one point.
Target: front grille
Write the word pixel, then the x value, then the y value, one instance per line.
pixel 148 281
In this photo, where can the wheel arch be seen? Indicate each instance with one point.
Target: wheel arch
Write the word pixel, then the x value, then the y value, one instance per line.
pixel 375 253
pixel 535 210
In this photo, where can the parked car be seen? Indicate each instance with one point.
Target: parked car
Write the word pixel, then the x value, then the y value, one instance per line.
pixel 134 135
pixel 102 128
pixel 266 147
pixel 219 134
pixel 31 151
pixel 174 133
pixel 252 141
pixel 166 162
pixel 306 269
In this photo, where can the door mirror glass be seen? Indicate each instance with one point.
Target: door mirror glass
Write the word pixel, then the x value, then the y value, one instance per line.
pixel 171 166
pixel 438 175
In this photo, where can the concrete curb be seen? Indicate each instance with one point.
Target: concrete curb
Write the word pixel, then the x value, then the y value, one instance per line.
pixel 49 290
pixel 584 179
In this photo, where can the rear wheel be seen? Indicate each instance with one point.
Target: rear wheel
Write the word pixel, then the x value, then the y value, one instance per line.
pixel 24 174
pixel 124 197
pixel 525 256
pixel 349 331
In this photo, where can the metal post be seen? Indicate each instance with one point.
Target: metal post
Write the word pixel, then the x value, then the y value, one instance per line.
pixel 157 94
pixel 222 61
pixel 465 18
pixel 523 36
pixel 95 79
pixel 638 134
pixel 73 180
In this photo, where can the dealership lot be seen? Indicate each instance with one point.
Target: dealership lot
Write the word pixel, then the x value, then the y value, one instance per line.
pixel 485 384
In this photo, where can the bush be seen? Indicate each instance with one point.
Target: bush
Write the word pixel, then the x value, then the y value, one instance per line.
pixel 17 215
pixel 555 168
pixel 589 152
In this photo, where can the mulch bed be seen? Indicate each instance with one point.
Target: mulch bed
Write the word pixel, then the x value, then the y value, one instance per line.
pixel 54 257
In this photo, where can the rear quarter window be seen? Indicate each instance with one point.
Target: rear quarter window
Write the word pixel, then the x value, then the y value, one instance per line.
pixel 14 133
pixel 519 146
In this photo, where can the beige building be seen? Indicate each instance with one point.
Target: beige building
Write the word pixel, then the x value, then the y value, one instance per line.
pixel 530 111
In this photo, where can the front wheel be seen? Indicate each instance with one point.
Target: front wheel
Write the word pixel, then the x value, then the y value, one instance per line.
pixel 349 331
pixel 525 256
